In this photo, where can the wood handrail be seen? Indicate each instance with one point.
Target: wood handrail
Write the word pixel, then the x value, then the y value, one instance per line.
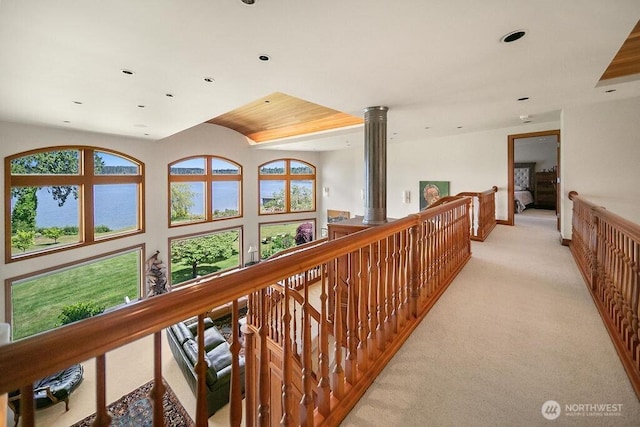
pixel 483 214
pixel 111 330
pixel 606 248
pixel 392 276
pixel 297 248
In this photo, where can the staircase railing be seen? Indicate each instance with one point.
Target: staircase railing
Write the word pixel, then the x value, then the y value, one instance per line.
pixel 482 212
pixel 387 279
pixel 606 248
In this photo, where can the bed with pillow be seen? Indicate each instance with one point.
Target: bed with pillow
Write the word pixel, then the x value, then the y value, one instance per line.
pixel 523 185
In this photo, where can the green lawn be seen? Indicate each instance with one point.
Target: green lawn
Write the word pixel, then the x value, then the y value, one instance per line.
pixel 44 243
pixel 37 302
pixel 181 272
pixel 272 246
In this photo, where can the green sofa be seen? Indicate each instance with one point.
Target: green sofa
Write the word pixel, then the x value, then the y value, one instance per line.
pixel 183 342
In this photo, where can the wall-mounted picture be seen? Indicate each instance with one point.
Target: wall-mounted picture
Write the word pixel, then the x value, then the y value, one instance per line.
pixel 432 191
pixel 336 216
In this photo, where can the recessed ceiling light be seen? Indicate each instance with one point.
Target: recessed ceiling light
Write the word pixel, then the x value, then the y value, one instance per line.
pixel 77 102
pixel 141 106
pixel 168 95
pixel 264 58
pixel 524 98
pixel 526 121
pixel 66 121
pixel 610 90
pixel 127 72
pixel 209 79
pixel 513 36
pixel 459 127
pixel 427 127
pixel 146 134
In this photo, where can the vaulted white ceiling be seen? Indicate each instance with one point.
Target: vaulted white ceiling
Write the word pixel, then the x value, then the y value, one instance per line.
pixel 437 64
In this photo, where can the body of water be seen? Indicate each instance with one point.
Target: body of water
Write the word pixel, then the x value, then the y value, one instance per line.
pixel 116 205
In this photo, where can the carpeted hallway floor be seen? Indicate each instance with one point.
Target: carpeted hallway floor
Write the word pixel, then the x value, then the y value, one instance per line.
pixel 515 329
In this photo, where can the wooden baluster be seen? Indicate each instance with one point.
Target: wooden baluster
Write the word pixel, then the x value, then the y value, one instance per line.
pixel 393 286
pixel 201 371
pixel 273 321
pixel 27 408
pixel 306 402
pixel 350 362
pixel 157 392
pixel 593 252
pixel 324 387
pixel 263 370
pixel 381 297
pixel 414 270
pixel 249 375
pixel 635 302
pixel 250 309
pixel 374 271
pixel 404 282
pixel 294 332
pixel 338 371
pixel 388 329
pixel 103 419
pixel 235 399
pixel 287 375
pixel 363 299
pixel 634 260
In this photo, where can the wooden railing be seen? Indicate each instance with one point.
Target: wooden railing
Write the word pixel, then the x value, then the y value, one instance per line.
pixel 385 280
pixel 309 277
pixel 606 248
pixel 482 212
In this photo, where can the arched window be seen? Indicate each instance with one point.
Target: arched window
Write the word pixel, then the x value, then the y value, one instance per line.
pixel 65 197
pixel 203 189
pixel 287 185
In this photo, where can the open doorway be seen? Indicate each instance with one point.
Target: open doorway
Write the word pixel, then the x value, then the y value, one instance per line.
pixel 537 155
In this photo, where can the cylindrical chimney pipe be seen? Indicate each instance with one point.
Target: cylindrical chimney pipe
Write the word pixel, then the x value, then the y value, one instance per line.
pixel 375 169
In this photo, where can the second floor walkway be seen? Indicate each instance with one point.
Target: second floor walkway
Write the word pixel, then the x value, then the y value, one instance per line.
pixel 515 329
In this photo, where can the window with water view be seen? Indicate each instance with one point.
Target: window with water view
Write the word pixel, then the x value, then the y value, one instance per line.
pixel 66 197
pixel 287 185
pixel 205 188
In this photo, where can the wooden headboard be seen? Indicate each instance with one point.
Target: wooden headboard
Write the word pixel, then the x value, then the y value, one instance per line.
pixel 523 175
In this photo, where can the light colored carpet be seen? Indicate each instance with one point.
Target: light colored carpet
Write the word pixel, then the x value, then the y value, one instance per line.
pixel 515 329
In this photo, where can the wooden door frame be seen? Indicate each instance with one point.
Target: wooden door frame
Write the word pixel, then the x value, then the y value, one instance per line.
pixel 510 161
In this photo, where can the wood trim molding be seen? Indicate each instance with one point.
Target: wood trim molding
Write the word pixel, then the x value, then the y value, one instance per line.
pixel 510 166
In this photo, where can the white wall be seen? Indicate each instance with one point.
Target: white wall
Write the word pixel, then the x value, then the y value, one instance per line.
pixel 600 157
pixel 156 155
pixel 471 162
pixel 544 154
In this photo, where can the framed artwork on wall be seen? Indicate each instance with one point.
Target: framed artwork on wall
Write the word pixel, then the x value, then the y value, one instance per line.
pixel 432 191
pixel 336 216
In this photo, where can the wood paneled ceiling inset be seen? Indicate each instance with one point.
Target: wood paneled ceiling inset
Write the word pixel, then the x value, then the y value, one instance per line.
pixel 280 116
pixel 627 60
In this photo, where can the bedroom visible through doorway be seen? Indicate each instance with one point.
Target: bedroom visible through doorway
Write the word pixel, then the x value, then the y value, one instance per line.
pixel 533 168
